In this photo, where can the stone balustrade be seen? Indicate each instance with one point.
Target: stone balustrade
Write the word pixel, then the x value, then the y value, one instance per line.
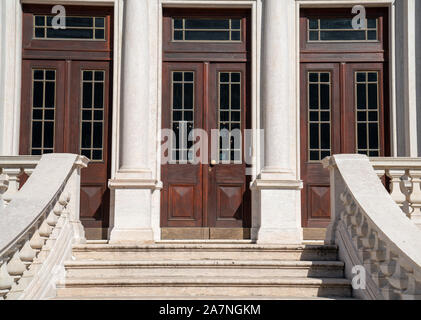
pixel 403 180
pixel 39 224
pixel 380 246
pixel 12 169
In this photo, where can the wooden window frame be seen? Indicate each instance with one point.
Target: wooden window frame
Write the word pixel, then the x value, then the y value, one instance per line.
pixel 70 48
pixel 373 50
pixel 198 50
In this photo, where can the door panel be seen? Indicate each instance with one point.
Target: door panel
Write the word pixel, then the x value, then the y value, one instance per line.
pixel 88 120
pixel 57 92
pixel 365 109
pixel 227 181
pixel 181 202
pixel 42 107
pixel 356 125
pixel 320 137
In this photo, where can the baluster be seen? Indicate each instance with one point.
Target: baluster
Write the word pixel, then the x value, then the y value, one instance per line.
pixel 396 185
pixel 6 281
pixel 4 185
pixel 415 197
pixel 13 175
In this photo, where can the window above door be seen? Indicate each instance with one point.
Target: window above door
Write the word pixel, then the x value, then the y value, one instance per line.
pixel 330 31
pixel 86 36
pixel 199 34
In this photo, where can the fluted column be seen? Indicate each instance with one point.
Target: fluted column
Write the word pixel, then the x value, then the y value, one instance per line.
pixel 133 183
pixel 278 188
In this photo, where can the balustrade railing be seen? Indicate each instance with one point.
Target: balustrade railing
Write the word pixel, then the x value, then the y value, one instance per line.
pixel 39 223
pixel 380 246
pixel 12 170
pixel 403 180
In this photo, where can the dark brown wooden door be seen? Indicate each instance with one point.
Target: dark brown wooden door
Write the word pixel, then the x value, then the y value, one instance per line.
pixel 65 108
pixel 342 111
pixel 206 98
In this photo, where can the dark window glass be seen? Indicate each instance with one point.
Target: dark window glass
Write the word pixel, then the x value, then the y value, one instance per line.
pixel 367 109
pixel 36 134
pixel 199 29
pixel 78 28
pixel 319 106
pixel 340 29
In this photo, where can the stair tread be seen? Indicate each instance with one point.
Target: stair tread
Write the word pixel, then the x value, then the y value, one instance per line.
pixel 207 280
pixel 204 246
pixel 169 298
pixel 201 262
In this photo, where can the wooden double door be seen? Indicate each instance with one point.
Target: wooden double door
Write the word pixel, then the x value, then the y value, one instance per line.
pixel 65 109
pixel 342 111
pixel 205 187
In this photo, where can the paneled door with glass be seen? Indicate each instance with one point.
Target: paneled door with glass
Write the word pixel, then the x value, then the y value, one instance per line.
pixel 65 108
pixel 342 111
pixel 206 188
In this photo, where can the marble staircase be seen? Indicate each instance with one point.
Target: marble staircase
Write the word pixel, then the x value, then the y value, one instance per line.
pixel 204 271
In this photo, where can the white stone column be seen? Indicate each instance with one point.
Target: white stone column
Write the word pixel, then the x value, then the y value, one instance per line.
pixel 278 187
pixel 133 182
pixel 10 75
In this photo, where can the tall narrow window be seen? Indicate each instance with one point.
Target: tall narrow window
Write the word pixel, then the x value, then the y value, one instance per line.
pixel 92 114
pixel 43 111
pixel 319 115
pixel 182 114
pixel 230 116
pixel 367 113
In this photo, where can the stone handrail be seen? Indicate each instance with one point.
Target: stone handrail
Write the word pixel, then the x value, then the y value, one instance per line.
pixel 39 226
pixel 403 176
pixel 373 236
pixel 12 169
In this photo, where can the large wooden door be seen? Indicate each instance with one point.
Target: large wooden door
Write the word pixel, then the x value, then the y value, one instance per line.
pixel 343 96
pixel 65 109
pixel 66 94
pixel 342 111
pixel 205 188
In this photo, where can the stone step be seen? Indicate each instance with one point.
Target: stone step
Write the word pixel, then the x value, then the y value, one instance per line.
pixel 205 286
pixel 247 268
pixel 205 251
pixel 208 298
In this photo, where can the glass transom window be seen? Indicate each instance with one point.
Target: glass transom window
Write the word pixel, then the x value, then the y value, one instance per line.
pixel 340 29
pixel 206 30
pixel 77 28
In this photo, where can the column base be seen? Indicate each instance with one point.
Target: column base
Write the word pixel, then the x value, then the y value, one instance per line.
pixel 278 206
pixel 279 236
pixel 138 236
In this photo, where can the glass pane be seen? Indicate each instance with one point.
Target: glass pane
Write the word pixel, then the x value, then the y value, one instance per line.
pixel 367 113
pixel 93 92
pixel 182 114
pixel 205 29
pixel 43 105
pixel 340 29
pixel 319 108
pixel 77 27
pixel 230 145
